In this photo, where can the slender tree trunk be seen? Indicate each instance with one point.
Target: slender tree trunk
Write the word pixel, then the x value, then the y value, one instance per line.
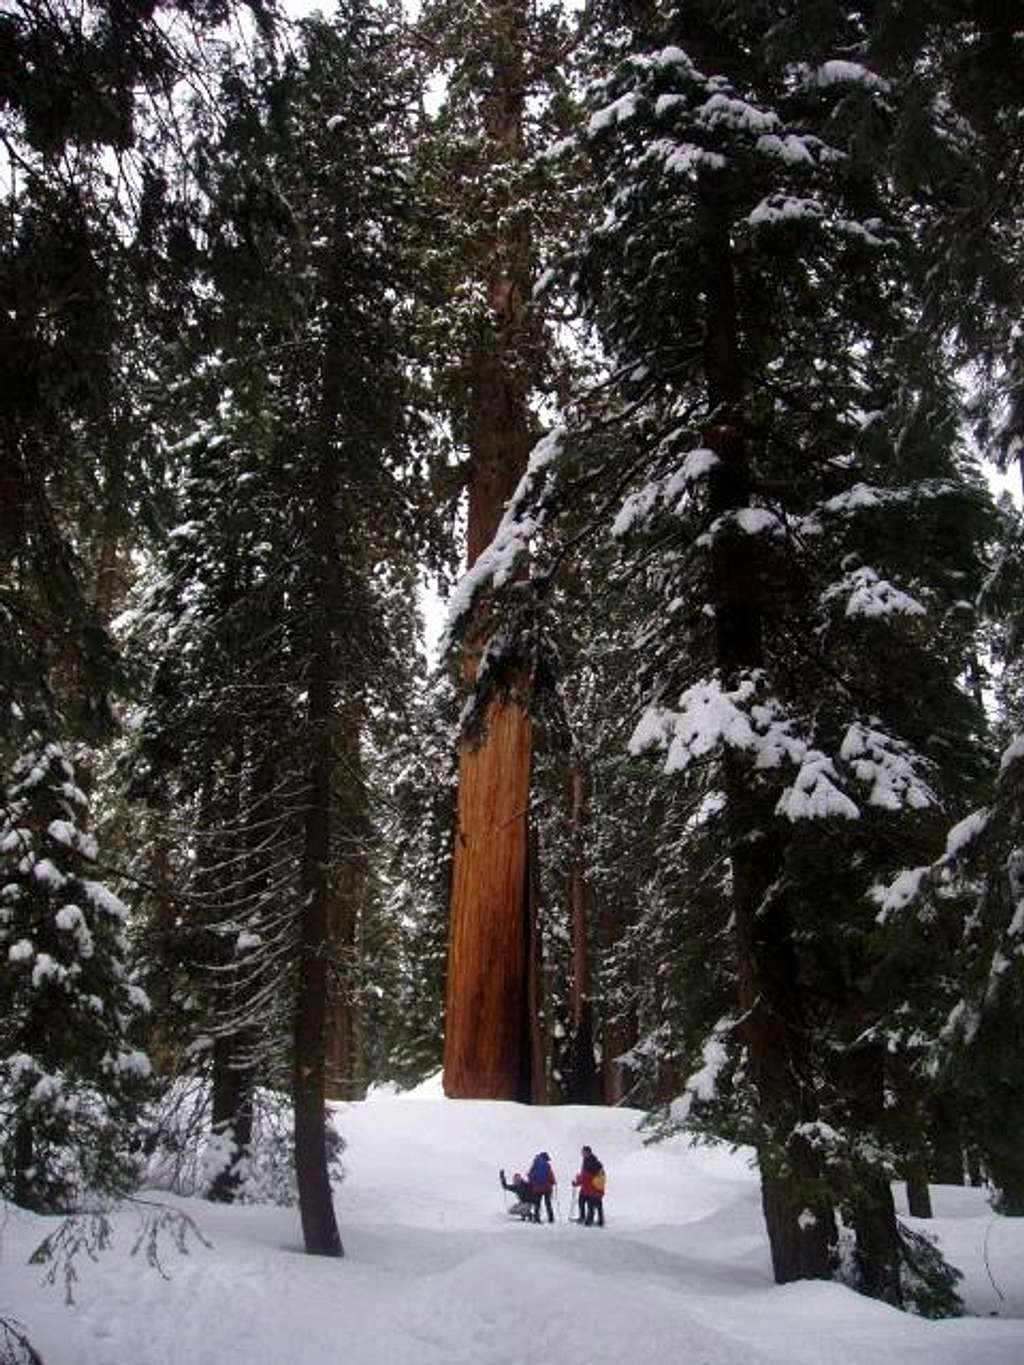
pixel 331 586
pixel 24 1192
pixel 878 1252
pixel 911 1102
pixel 108 576
pixel 232 1082
pixel 536 1013
pixel 947 1165
pixel 487 1051
pixel 316 1208
pixel 165 939
pixel 617 1036
pixel 919 1195
pixel 234 1077
pixel 799 1219
pixel 582 1088
pixel 232 1113
pixel 344 1064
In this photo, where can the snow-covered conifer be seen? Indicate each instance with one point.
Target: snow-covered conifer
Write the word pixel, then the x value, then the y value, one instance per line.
pixel 72 1076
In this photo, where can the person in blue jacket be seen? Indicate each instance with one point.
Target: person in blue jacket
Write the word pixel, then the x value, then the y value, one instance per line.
pixel 542 1181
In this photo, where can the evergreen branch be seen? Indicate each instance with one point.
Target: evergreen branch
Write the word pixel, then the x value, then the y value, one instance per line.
pixel 15 1347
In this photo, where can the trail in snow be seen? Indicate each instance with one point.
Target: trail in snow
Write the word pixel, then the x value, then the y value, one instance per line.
pixel 436 1273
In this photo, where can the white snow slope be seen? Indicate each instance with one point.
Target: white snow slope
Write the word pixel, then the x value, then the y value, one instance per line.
pixel 437 1273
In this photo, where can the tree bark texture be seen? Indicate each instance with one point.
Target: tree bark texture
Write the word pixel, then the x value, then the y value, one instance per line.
pixel 488 1034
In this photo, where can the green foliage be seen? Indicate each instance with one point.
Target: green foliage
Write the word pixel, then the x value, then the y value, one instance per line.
pixel 71 1078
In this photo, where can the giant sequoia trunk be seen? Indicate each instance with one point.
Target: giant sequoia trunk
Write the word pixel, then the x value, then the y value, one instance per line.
pixel 488 1053
pixel 799 1220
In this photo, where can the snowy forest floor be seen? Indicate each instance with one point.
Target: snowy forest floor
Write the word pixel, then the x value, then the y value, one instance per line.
pixel 437 1273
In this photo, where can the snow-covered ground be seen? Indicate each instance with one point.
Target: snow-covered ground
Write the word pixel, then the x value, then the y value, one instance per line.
pixel 437 1273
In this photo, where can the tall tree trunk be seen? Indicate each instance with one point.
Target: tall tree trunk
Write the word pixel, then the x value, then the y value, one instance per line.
pixel 234 1077
pixel 219 869
pixel 344 1064
pixel 108 574
pixel 316 1208
pixel 487 1052
pixel 331 586
pixel 582 1087
pixel 617 1035
pixel 165 935
pixel 944 1131
pixel 919 1195
pixel 536 1012
pixel 799 1220
pixel 232 1113
pixel 878 1252
pixel 25 1193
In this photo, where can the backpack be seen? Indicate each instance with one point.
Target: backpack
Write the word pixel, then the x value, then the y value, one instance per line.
pixel 540 1176
pixel 597 1181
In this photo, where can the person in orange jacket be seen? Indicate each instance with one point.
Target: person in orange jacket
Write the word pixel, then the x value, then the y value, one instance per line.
pixel 590 1182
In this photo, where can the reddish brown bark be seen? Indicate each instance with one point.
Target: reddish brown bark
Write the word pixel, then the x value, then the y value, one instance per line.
pixel 489 1034
pixel 487 1054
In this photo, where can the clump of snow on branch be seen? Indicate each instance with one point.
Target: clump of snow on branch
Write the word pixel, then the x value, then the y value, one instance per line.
pixel 701 1085
pixel 711 715
pixel 868 594
pixel 838 72
pixel 670 492
pixel 815 794
pixel 887 767
pixel 499 561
